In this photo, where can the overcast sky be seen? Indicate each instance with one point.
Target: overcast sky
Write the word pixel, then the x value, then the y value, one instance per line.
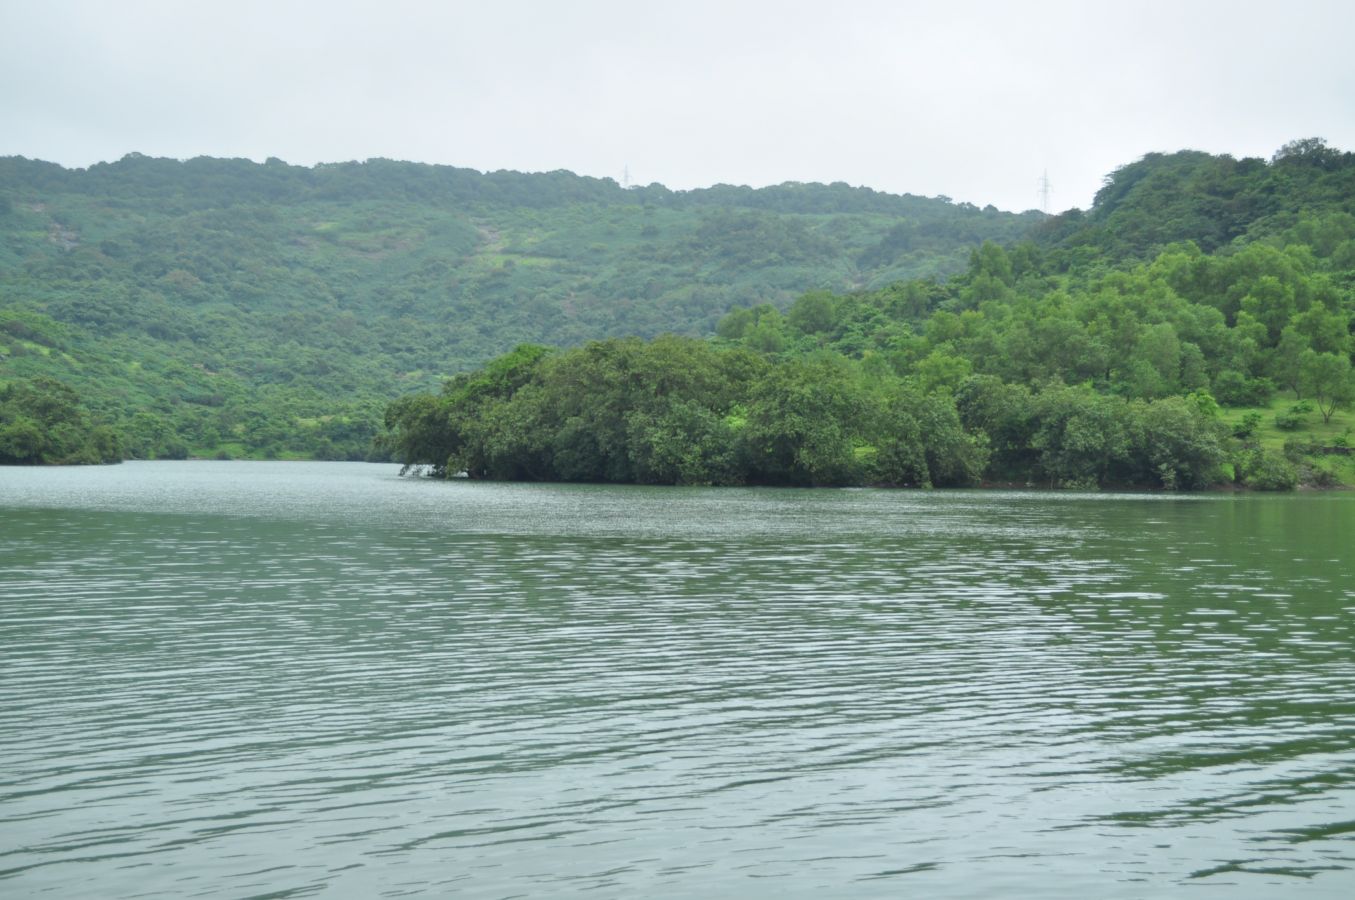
pixel 974 100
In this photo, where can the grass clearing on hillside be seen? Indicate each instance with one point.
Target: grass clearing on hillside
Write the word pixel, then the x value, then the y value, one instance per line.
pixel 1338 432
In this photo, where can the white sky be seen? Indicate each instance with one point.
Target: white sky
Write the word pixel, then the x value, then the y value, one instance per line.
pixel 969 99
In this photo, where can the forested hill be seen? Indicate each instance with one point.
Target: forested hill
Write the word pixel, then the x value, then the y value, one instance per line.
pixel 219 305
pixel 1115 350
pixel 226 307
pixel 1211 201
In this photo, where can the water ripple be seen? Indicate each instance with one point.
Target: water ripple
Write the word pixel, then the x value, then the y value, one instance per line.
pixel 328 682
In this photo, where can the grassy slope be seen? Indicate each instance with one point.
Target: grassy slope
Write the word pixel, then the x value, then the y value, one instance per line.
pixel 1313 430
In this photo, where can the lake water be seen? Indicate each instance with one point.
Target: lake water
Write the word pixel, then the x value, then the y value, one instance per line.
pixel 230 679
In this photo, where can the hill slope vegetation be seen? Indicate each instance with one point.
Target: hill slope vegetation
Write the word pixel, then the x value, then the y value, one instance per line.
pixel 223 307
pixel 1111 349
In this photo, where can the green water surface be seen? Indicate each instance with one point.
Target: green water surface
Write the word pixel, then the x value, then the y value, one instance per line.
pixel 320 680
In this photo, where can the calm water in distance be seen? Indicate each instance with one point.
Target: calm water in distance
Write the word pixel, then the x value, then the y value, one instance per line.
pixel 228 679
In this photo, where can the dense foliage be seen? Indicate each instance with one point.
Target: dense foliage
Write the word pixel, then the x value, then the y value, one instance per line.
pixel 220 306
pixel 1093 356
pixel 43 422
pixel 684 411
pixel 1210 200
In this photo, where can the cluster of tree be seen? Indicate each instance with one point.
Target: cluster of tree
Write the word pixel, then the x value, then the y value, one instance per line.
pixel 685 411
pixel 220 306
pixel 1238 324
pixel 42 422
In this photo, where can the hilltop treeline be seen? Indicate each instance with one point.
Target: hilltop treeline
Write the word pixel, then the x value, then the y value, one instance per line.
pixel 213 183
pixel 1212 201
pixel 1079 359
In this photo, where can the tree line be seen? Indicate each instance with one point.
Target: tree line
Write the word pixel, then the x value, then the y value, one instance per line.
pixel 685 411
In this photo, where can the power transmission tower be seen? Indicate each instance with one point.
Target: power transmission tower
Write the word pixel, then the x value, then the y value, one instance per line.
pixel 625 178
pixel 1044 192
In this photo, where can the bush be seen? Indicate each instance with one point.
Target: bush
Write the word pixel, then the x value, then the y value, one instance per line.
pixel 1287 421
pixel 1318 476
pixel 1293 418
pixel 1297 448
pixel 1247 427
pixel 1264 470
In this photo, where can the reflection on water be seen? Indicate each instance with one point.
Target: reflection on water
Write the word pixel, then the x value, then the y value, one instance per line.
pixel 234 679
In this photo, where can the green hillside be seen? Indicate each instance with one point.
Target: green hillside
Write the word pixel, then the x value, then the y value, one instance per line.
pixel 224 307
pixel 1111 350
pixel 1212 201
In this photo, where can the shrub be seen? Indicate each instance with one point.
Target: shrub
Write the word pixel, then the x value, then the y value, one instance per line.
pixel 1297 448
pixel 1264 470
pixel 1247 427
pixel 1292 419
pixel 1318 475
